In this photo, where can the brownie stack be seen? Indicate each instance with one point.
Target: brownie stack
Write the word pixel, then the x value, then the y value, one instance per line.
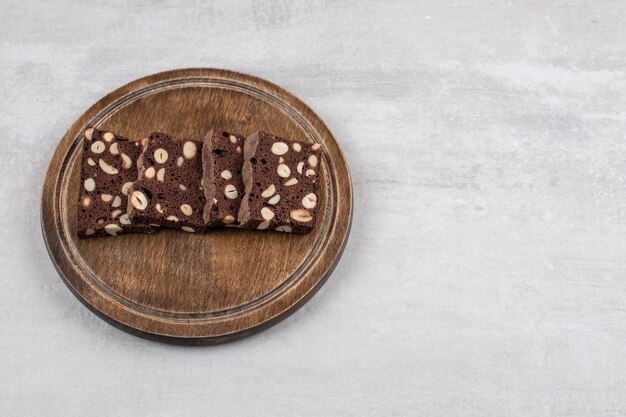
pixel 261 182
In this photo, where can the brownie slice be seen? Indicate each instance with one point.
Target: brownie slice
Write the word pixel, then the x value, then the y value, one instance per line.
pixel 107 172
pixel 222 161
pixel 280 177
pixel 168 189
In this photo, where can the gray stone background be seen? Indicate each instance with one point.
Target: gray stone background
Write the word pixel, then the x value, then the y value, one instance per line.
pixel 485 273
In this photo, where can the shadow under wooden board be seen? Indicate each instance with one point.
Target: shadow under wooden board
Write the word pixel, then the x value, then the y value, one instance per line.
pixel 188 288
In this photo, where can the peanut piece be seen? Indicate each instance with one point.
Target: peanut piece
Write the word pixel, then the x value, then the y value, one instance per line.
pixel 274 200
pixel 189 150
pixel 279 148
pixel 126 187
pixel 161 155
pixel 230 192
pixel 269 191
pixel 309 201
pixel 283 171
pixel 149 173
pixel 139 200
pixel 109 169
pixel 126 161
pixel 301 215
pixel 267 214
pixel 90 184
pixel 112 229
pixel 98 147
pixel 186 209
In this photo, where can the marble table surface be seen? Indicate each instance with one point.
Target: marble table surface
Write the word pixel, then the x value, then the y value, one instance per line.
pixel 485 274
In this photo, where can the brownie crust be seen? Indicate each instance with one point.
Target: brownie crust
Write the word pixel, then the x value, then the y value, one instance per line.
pixel 222 161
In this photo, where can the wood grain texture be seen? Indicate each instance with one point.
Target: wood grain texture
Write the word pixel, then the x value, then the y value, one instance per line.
pixel 185 288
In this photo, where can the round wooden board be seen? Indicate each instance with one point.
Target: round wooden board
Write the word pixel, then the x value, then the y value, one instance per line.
pixel 196 289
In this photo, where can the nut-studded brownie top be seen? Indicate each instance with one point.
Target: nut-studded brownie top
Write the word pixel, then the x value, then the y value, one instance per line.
pixel 281 184
pixel 222 157
pixel 168 190
pixel 107 171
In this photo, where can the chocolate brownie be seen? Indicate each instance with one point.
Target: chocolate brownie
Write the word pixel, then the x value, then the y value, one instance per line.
pixel 168 189
pixel 107 172
pixel 280 177
pixel 222 161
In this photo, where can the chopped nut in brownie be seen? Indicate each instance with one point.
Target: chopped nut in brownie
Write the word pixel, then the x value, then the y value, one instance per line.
pixel 168 190
pixel 281 184
pixel 107 172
